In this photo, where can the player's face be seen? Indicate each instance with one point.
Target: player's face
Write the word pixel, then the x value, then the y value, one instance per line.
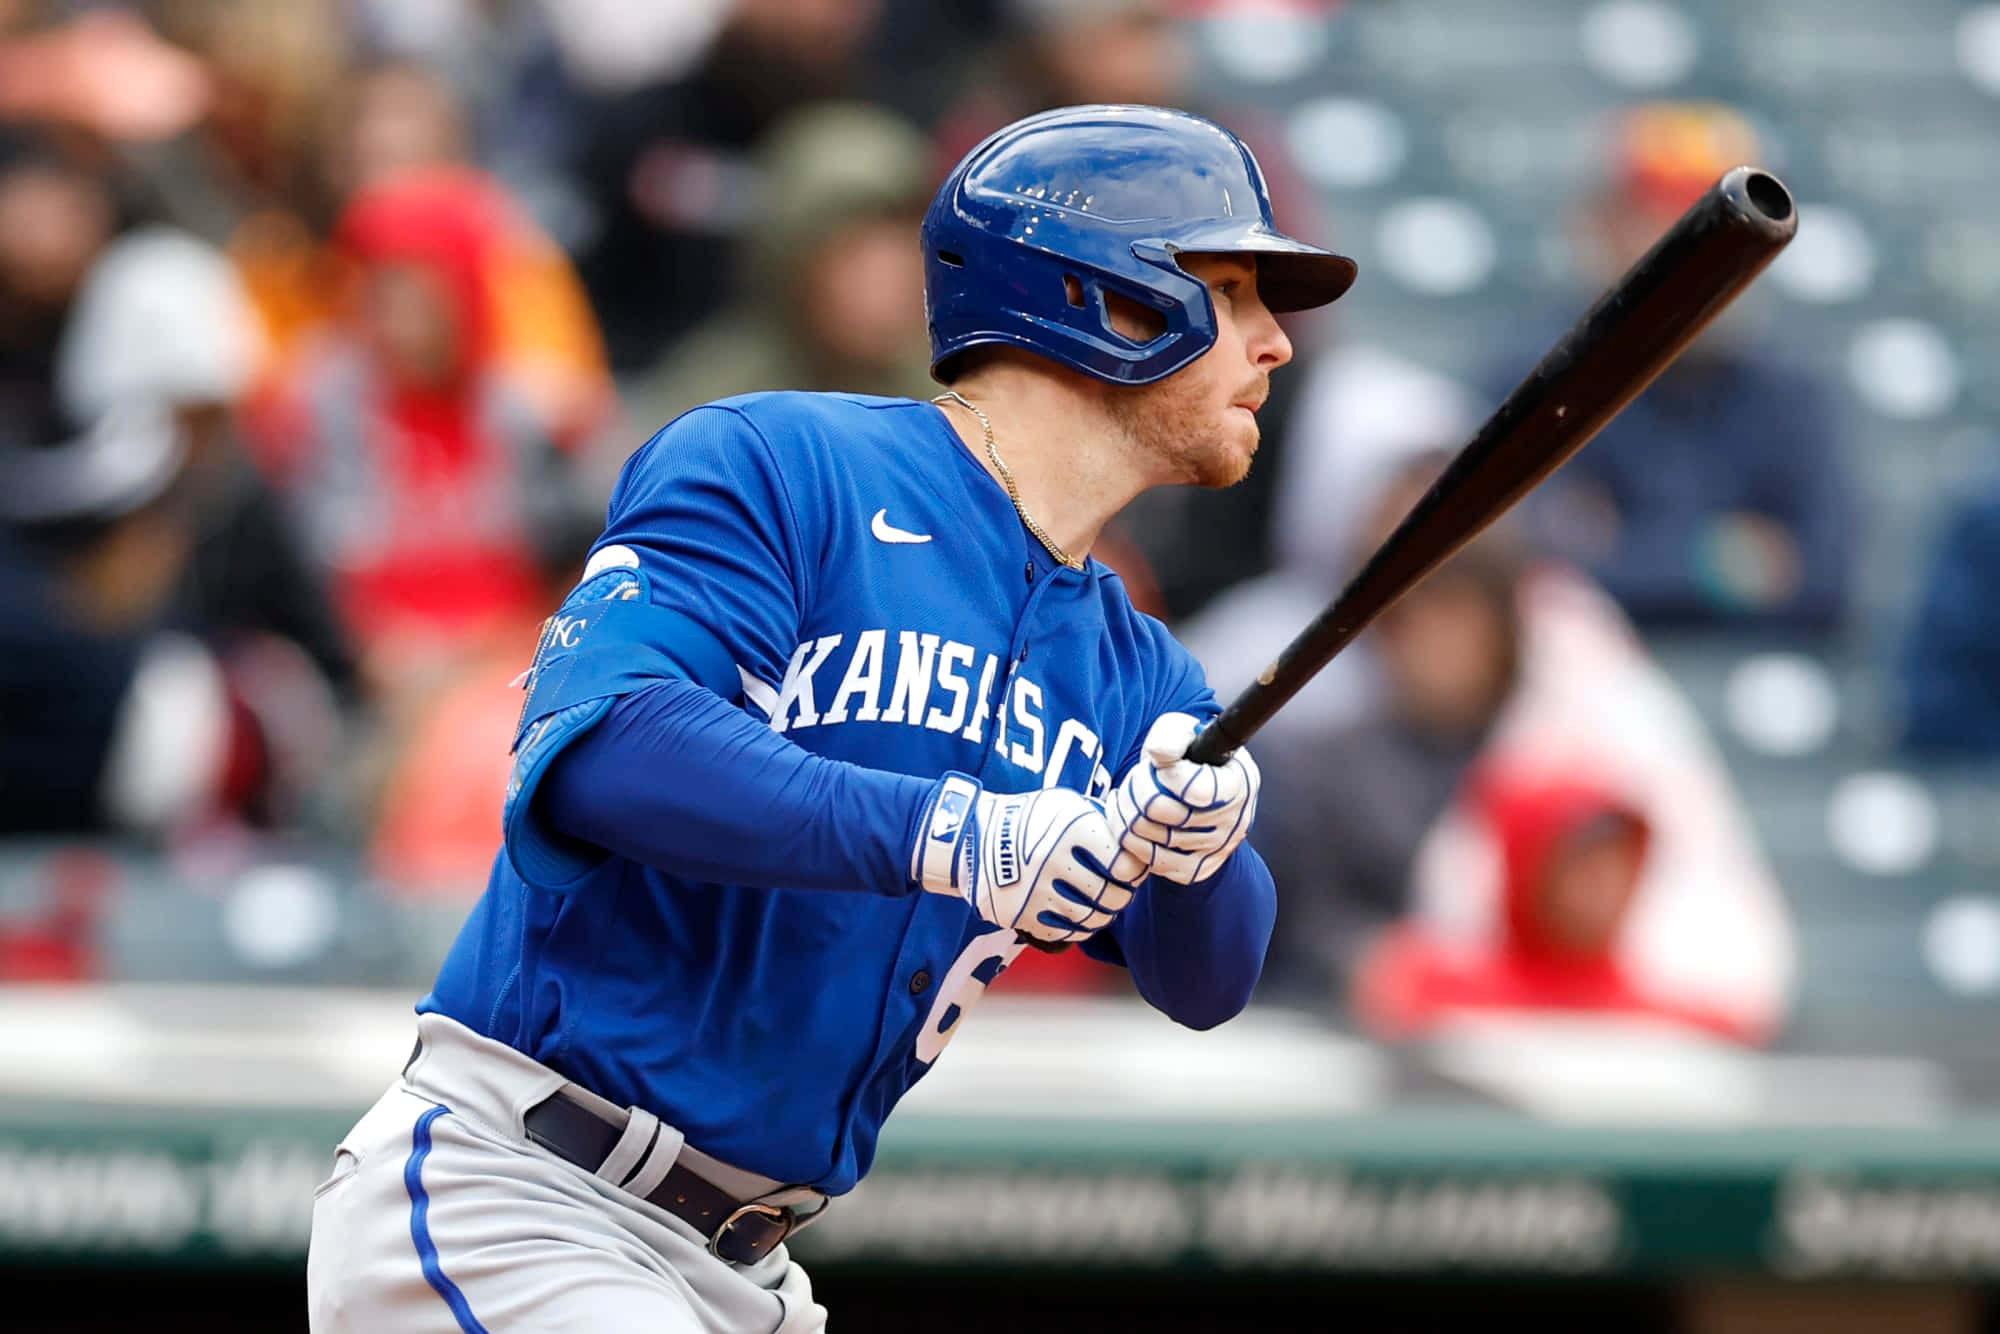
pixel 1201 421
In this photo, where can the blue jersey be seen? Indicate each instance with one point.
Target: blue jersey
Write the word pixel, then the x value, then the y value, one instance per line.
pixel 820 604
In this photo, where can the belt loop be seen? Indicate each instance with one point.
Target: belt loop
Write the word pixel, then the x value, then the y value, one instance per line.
pixel 660 1160
pixel 640 1128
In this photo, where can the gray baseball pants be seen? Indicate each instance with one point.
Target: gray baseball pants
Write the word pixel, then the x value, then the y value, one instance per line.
pixel 441 1217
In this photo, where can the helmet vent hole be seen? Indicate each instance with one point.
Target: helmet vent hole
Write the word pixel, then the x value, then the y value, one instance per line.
pixel 952 258
pixel 1073 289
pixel 1138 324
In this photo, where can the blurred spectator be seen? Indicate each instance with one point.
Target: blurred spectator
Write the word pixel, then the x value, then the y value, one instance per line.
pixel 118 719
pixel 57 214
pixel 394 118
pixel 378 120
pixel 1572 861
pixel 1951 659
pixel 93 320
pixel 1719 497
pixel 162 318
pixel 1707 928
pixel 271 70
pixel 104 72
pixel 385 118
pixel 412 452
pixel 1351 797
pixel 1529 672
pixel 522 107
pixel 833 278
pixel 530 76
pixel 167 649
pixel 666 170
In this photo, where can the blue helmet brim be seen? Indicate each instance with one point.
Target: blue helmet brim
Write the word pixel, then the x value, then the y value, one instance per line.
pixel 1291 275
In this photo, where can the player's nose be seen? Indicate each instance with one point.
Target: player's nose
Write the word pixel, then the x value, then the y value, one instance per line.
pixel 1268 345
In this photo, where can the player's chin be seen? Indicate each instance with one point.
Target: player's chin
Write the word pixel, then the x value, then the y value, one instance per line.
pixel 1227 459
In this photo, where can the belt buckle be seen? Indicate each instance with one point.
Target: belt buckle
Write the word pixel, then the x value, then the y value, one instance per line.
pixel 790 1217
pixel 781 1214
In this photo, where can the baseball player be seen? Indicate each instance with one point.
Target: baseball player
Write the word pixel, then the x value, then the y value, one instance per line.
pixel 841 717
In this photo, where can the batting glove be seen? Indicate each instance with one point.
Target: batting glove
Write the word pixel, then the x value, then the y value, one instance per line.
pixel 1176 818
pixel 1033 862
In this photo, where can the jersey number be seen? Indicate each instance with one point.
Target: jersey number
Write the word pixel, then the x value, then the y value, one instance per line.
pixel 984 958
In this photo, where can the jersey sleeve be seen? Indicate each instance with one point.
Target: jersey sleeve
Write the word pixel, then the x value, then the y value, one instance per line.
pixel 702 573
pixel 707 507
pixel 1195 952
pixel 726 800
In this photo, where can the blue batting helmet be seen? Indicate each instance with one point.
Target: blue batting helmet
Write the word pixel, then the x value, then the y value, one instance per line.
pixel 1107 196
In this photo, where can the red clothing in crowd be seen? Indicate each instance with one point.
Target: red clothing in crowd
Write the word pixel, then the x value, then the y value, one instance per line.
pixel 415 488
pixel 1414 980
pixel 437 562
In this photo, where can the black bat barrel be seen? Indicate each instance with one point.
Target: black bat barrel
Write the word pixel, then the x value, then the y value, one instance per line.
pixel 1620 346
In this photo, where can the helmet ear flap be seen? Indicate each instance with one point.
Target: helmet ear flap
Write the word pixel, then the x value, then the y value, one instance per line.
pixel 986 286
pixel 1113 313
pixel 1133 317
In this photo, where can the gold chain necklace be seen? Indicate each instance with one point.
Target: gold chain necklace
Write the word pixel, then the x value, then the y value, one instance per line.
pixel 1007 480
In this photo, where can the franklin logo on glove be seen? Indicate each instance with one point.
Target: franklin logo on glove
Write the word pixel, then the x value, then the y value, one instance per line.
pixel 1033 862
pixel 1007 847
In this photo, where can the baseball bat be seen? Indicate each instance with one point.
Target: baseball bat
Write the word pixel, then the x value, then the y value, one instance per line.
pixel 1636 329
pixel 1608 357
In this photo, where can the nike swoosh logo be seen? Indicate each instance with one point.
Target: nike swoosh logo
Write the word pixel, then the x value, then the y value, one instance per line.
pixel 886 532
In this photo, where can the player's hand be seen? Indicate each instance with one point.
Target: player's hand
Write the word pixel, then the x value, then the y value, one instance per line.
pixel 1176 818
pixel 1034 862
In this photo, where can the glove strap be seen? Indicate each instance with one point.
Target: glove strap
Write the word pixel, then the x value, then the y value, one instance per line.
pixel 947 852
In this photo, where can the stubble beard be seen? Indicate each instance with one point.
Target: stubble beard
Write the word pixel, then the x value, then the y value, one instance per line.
pixel 1173 422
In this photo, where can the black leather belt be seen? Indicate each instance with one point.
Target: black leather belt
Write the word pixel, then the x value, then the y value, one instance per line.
pixel 739 1231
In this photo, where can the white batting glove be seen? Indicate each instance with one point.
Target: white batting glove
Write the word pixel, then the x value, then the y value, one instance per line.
pixel 1176 818
pixel 1034 862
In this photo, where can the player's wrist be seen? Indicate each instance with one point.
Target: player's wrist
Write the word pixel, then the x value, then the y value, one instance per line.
pixel 944 846
pixel 1204 874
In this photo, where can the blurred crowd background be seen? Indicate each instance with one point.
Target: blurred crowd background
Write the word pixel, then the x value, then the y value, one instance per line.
pixel 325 326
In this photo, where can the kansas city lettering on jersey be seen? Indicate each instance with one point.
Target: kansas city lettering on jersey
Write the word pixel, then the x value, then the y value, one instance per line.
pixel 910 678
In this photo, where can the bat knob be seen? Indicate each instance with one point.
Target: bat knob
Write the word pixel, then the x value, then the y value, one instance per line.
pixel 1761 199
